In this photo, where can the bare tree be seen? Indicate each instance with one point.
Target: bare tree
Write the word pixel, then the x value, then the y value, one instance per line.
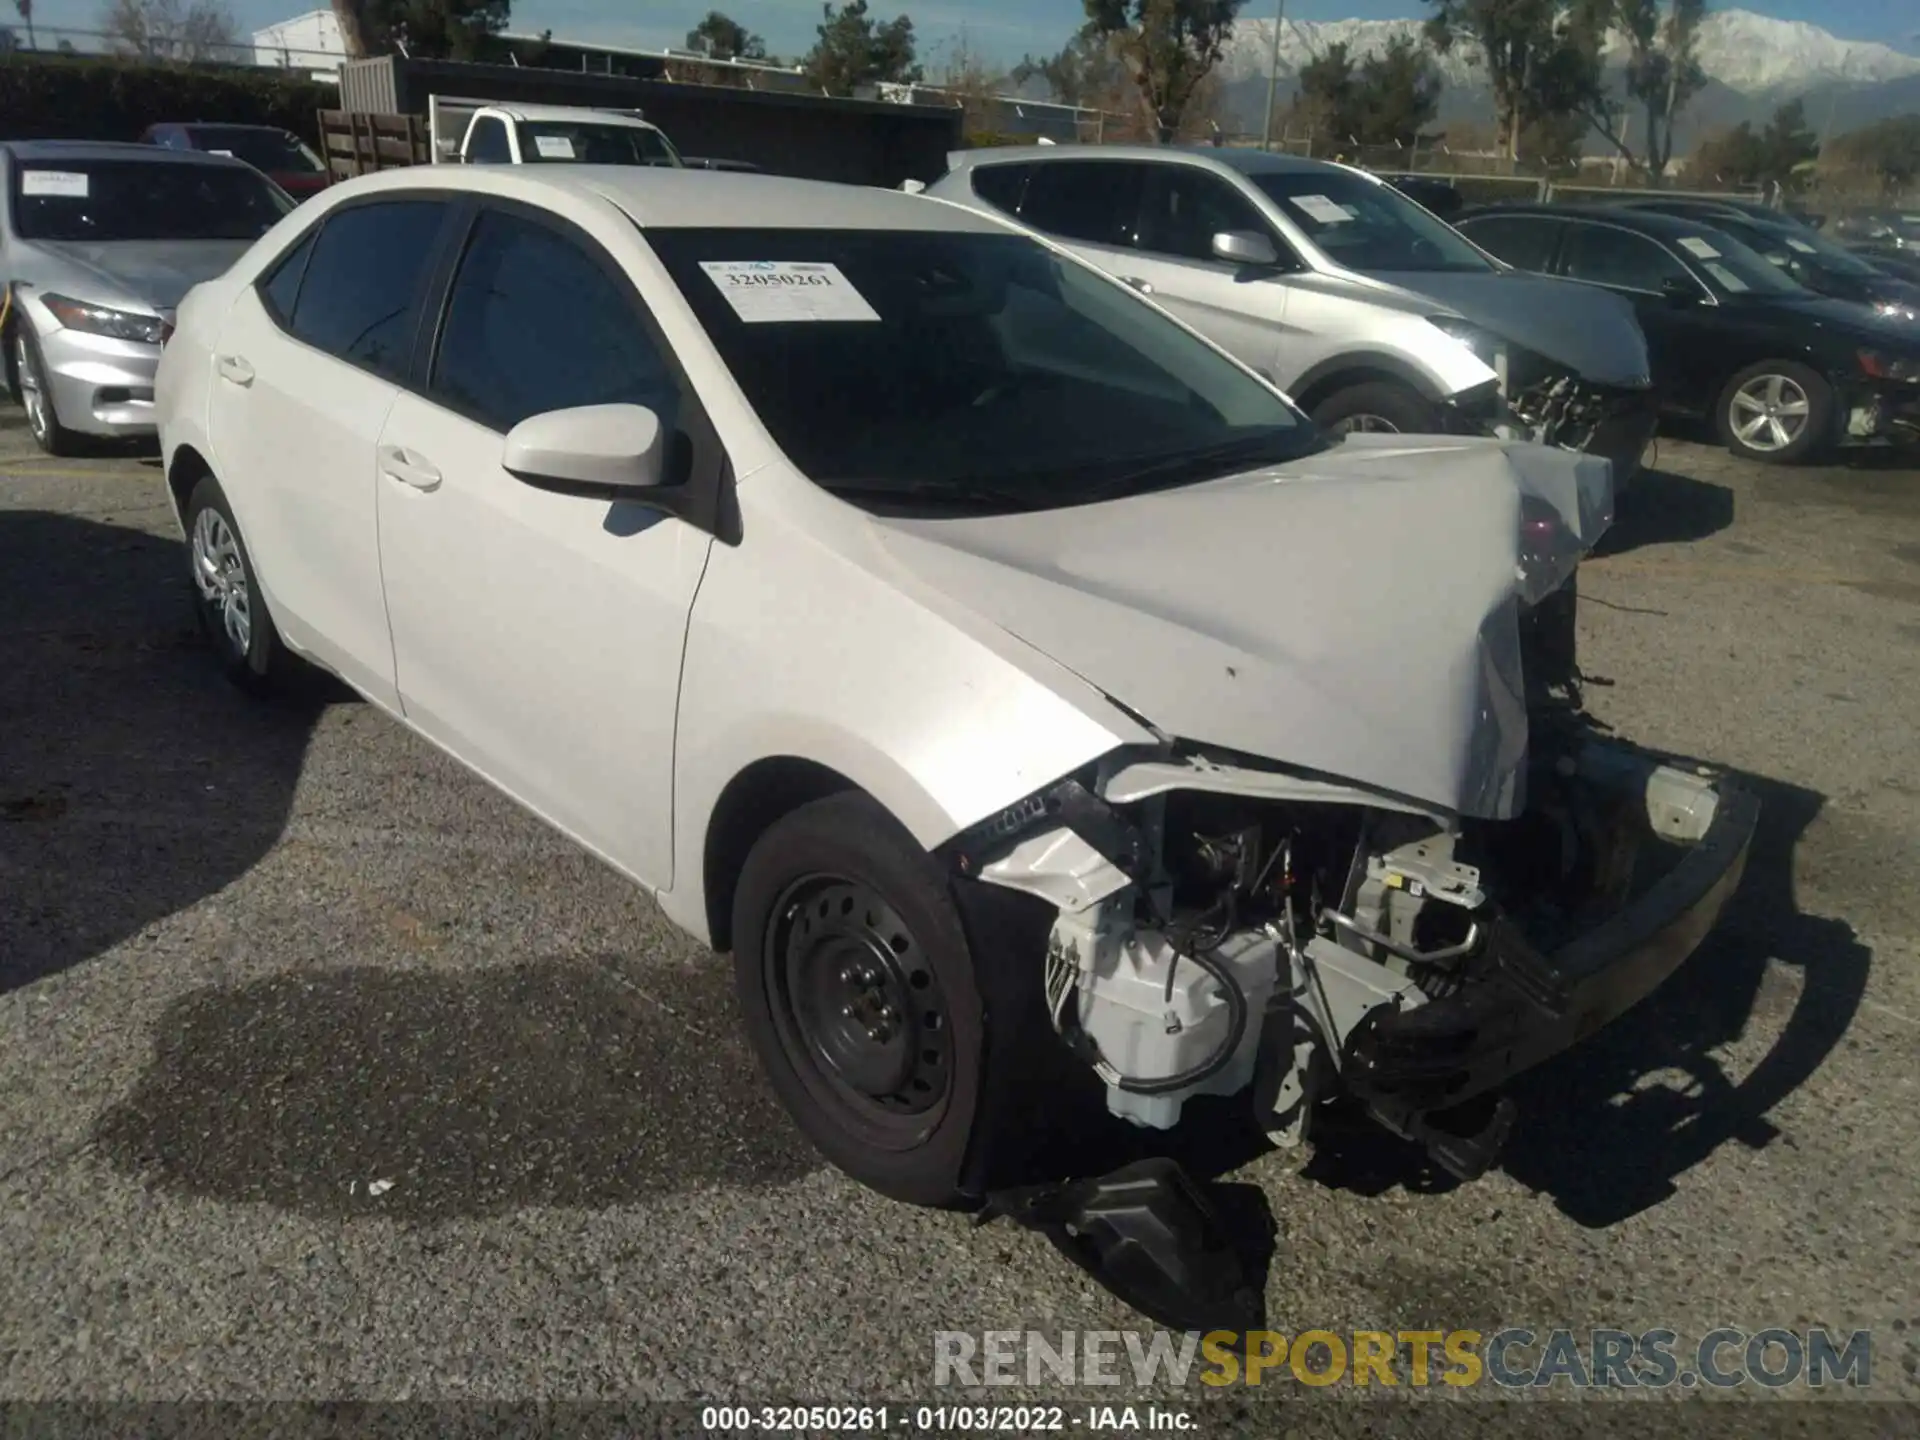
pixel 180 30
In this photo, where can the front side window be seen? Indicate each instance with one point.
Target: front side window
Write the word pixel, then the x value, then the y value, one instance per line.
pixel 535 324
pixel 1603 255
pixel 1365 225
pixel 1522 241
pixel 926 369
pixel 583 142
pixel 357 300
pixel 1097 201
pixel 1186 207
pixel 107 200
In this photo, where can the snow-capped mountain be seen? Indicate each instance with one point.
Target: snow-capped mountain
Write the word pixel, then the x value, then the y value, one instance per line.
pixel 1748 53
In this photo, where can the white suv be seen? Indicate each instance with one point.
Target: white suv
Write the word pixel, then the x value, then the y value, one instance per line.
pixel 1372 313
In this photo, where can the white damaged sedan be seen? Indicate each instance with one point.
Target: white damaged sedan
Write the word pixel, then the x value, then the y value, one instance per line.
pixel 1019 687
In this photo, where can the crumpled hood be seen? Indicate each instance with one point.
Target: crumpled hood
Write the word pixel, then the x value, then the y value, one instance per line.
pixel 152 272
pixel 1353 613
pixel 1593 331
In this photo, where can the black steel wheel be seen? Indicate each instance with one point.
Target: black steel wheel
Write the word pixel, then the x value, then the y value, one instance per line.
pixel 858 1008
pixel 896 1011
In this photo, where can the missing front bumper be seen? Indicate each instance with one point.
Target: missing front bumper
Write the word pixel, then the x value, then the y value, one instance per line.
pixel 1527 1006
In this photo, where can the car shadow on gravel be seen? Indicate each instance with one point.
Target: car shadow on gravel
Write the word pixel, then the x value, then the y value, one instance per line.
pixel 1607 1129
pixel 1662 508
pixel 134 781
pixel 553 1082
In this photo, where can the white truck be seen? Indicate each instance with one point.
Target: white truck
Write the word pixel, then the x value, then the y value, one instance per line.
pixel 476 132
pixel 479 132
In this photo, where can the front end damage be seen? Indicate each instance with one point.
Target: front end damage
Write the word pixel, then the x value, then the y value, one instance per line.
pixel 1229 927
pixel 1232 925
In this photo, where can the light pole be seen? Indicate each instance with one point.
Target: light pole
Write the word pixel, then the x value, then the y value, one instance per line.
pixel 1273 73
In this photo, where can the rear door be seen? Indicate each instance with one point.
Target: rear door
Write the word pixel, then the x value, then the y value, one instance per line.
pixel 307 364
pixel 1240 308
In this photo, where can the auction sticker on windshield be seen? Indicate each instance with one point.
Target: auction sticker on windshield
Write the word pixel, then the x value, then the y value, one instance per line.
pixel 54 184
pixel 1319 207
pixel 553 147
pixel 1694 245
pixel 762 291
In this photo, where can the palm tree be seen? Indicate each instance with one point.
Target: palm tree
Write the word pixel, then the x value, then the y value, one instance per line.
pixel 25 7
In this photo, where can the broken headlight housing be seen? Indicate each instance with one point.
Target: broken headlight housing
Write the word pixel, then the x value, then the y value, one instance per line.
pixel 1890 367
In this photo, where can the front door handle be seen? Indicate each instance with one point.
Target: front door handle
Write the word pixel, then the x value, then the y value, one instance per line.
pixel 235 368
pixel 399 463
pixel 1143 286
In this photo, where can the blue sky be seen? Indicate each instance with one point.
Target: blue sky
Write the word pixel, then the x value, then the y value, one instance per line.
pixel 999 29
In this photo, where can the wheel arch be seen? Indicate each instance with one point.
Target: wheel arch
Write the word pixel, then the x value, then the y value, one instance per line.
pixel 1359 368
pixel 752 802
pixel 186 468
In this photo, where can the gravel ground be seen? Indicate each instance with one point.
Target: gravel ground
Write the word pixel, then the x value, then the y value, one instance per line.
pixel 252 959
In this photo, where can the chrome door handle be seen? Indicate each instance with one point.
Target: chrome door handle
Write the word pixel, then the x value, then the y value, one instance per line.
pixel 409 469
pixel 1143 286
pixel 235 368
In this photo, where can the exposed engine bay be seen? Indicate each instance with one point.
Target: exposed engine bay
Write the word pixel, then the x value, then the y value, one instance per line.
pixel 1551 404
pixel 1226 925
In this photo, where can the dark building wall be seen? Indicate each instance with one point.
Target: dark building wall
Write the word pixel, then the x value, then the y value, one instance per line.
pixel 853 141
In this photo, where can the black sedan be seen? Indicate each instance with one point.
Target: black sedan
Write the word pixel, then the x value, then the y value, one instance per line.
pixel 1815 261
pixel 1780 371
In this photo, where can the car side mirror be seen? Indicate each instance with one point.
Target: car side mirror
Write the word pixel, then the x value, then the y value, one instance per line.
pixel 1245 247
pixel 604 452
pixel 1680 293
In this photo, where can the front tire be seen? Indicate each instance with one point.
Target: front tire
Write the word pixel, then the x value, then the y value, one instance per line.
pixel 227 603
pixel 861 994
pixel 1778 412
pixel 36 396
pixel 1376 407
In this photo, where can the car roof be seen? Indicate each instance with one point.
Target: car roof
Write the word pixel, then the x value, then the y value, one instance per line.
pixel 1238 159
pixel 1657 223
pixel 538 113
pixel 657 197
pixel 37 150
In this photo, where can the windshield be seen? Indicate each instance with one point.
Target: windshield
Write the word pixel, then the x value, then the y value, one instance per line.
pixel 274 151
pixel 978 370
pixel 582 142
pixel 1733 269
pixel 1789 246
pixel 1366 226
pixel 94 200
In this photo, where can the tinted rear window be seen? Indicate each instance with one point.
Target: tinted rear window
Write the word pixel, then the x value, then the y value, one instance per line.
pixel 357 298
pixel 1093 200
pixel 1001 185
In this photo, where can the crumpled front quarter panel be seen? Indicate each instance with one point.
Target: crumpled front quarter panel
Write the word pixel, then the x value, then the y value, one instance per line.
pixel 813 644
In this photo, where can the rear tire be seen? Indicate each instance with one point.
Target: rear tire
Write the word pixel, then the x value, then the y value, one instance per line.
pixel 227 602
pixel 861 993
pixel 1376 406
pixel 1778 412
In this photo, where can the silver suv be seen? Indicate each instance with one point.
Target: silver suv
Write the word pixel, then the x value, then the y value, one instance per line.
pixel 1372 313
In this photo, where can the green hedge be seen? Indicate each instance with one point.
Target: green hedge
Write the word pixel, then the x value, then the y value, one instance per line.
pixel 57 97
